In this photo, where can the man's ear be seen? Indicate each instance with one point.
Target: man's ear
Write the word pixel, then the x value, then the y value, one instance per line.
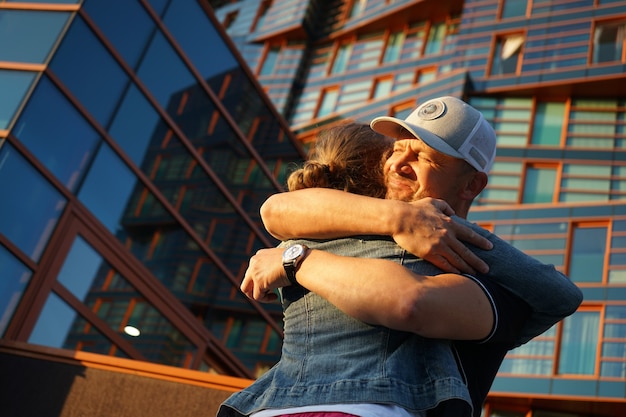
pixel 475 184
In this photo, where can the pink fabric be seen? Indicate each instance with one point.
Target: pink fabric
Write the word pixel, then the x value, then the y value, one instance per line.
pixel 319 414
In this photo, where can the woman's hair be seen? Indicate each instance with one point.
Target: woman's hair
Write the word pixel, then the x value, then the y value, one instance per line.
pixel 347 157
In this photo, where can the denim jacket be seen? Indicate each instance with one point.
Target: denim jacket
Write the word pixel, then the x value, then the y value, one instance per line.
pixel 329 357
pixel 379 365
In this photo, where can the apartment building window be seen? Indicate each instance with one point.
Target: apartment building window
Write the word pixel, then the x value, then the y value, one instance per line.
pixel 582 182
pixel 402 111
pixel 366 52
pixel 328 102
pixel 513 8
pixel 260 19
pixel 341 59
pixel 539 184
pixel 595 124
pixel 579 343
pixel 436 36
pixel 608 42
pixel 533 358
pixel 415 38
pixel 357 8
pixel 269 63
pixel 382 87
pixel 548 124
pixel 613 355
pixel 426 75
pixel 586 260
pixel 393 47
pixel 507 53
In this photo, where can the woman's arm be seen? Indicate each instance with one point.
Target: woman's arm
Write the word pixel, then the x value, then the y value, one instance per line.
pixel 424 228
pixel 381 292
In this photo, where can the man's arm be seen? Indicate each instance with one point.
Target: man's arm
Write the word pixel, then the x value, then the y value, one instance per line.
pixel 550 294
pixel 424 228
pixel 381 292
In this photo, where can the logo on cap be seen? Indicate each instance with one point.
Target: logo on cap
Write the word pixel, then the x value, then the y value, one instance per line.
pixel 431 110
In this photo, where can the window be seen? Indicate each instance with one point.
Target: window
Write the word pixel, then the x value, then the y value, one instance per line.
pixel 586 260
pixel 426 75
pixel 613 356
pixel 270 61
pixel 28 225
pixel 357 8
pixel 394 47
pixel 32 34
pixel 533 358
pixel 341 59
pixel 579 343
pixel 513 8
pixel 261 16
pixel 507 54
pixel 14 86
pixel 436 35
pixel 539 184
pixel 608 42
pixel 548 126
pixel 15 279
pixel 329 102
pixel 402 111
pixel 382 87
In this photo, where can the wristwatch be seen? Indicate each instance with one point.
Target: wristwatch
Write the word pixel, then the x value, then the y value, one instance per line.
pixel 292 257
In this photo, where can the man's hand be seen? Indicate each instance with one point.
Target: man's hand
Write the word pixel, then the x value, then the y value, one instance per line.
pixel 426 230
pixel 265 273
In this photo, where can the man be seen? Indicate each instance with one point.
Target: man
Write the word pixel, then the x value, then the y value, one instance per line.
pixel 443 150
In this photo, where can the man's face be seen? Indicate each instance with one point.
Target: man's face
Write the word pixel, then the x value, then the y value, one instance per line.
pixel 415 170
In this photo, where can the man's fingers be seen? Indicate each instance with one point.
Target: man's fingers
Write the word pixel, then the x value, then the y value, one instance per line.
pixel 467 235
pixel 466 260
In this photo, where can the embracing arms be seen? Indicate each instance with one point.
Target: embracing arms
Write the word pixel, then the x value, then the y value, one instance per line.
pixel 380 292
pixel 423 228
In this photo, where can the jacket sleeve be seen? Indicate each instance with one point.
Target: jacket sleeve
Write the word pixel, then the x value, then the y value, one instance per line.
pixel 550 294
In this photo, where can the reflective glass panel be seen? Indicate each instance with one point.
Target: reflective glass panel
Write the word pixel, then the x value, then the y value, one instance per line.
pixel 549 120
pixel 579 343
pixel 214 62
pixel 134 125
pixel 53 130
pixel 32 34
pixel 13 281
pixel 89 72
pixel 30 208
pixel 108 189
pixel 162 71
pixel 539 185
pixel 114 24
pixel 14 85
pixel 514 8
pixel 93 281
pixel 587 259
pixel 44 1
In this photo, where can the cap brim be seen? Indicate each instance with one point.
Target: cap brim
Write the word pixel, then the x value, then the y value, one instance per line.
pixel 392 127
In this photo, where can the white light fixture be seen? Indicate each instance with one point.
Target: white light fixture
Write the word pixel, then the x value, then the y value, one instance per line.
pixel 131 331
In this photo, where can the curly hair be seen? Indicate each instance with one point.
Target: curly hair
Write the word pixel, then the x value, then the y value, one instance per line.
pixel 348 157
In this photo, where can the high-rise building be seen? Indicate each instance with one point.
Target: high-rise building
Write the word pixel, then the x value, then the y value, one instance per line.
pixel 135 151
pixel 137 143
pixel 550 76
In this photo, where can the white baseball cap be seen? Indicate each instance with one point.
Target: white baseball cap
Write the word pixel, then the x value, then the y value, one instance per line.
pixel 450 126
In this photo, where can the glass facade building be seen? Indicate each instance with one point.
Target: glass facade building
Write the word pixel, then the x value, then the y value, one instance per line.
pixel 138 139
pixel 550 76
pixel 135 150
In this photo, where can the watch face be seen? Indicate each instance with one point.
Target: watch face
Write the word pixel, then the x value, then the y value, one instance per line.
pixel 292 252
